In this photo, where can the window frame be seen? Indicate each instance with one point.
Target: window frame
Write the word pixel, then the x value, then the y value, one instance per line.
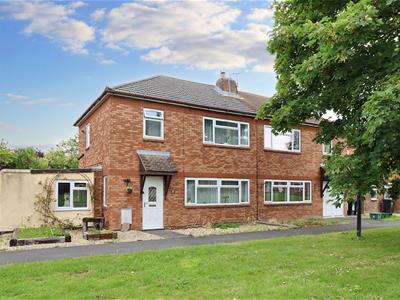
pixel 71 193
pixel 324 152
pixel 292 141
pixel 105 191
pixel 156 119
pixel 87 136
pixel 375 189
pixel 218 186
pixel 288 182
pixel 239 123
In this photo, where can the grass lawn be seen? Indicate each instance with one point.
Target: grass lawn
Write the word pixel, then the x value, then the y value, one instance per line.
pixel 318 221
pixel 392 218
pixel 335 266
pixel 38 232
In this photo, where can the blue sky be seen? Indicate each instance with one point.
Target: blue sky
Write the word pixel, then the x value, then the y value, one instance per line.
pixel 57 57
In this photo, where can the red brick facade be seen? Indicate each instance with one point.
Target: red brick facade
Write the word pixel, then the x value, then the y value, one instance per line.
pixel 117 132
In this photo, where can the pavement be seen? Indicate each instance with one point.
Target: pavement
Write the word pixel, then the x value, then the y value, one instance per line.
pixel 174 240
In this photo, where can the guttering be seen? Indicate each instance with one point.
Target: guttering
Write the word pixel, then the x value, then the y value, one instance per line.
pixel 110 92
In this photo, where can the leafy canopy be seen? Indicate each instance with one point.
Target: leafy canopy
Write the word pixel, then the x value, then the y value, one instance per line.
pixel 64 156
pixel 342 57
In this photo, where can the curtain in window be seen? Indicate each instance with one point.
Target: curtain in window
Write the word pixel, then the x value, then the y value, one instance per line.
pixel 226 136
pixel 229 195
pixel 207 195
pixel 153 128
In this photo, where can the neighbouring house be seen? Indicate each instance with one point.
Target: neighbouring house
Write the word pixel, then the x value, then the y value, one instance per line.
pixel 69 196
pixel 177 153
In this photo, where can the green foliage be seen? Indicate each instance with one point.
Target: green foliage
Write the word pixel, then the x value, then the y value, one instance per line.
pixel 6 155
pixel 27 158
pixel 64 156
pixel 341 56
pixel 40 232
pixel 226 226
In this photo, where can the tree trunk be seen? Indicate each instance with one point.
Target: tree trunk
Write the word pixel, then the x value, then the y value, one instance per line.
pixel 359 211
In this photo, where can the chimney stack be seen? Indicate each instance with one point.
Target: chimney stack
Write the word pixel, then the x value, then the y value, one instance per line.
pixel 226 84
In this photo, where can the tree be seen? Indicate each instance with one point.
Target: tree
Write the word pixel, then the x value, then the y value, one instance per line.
pixel 65 156
pixel 341 56
pixel 29 158
pixel 6 155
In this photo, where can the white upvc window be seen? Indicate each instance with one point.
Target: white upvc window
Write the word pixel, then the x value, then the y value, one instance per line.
pixel 226 132
pixel 105 191
pixel 374 194
pixel 327 149
pixel 153 124
pixel 288 141
pixel 87 132
pixel 71 195
pixel 284 191
pixel 216 191
pixel 386 195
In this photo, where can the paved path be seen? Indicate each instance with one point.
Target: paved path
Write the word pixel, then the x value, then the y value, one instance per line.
pixel 176 241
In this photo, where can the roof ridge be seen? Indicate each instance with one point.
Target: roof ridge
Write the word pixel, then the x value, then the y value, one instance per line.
pixel 134 81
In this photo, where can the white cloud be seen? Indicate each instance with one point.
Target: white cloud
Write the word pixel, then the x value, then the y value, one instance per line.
pixel 53 21
pixel 198 34
pixel 260 14
pixel 4 125
pixel 27 100
pixel 98 14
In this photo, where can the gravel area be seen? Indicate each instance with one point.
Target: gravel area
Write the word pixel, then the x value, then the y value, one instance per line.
pixel 204 231
pixel 78 240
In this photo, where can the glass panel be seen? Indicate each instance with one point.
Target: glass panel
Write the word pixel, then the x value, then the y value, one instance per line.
pixel 208 130
pixel 80 198
pixel 225 123
pixel 153 114
pixel 152 197
pixel 296 140
pixel 229 182
pixel 268 189
pixel 267 137
pixel 244 134
pixel 296 183
pixel 226 136
pixel 80 184
pixel 230 195
pixel 153 128
pixel 105 189
pixel 190 191
pixel 207 182
pixel 280 194
pixel 64 198
pixel 280 183
pixel 207 195
pixel 374 193
pixel 245 191
pixel 282 141
pixel 296 194
pixel 307 192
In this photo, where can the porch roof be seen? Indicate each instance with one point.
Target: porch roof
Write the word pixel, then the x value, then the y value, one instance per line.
pixel 156 162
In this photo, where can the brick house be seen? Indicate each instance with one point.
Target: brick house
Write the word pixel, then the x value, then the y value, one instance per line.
pixel 176 153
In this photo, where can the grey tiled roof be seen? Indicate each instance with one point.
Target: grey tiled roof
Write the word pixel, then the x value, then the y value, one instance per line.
pixel 191 93
pixel 156 161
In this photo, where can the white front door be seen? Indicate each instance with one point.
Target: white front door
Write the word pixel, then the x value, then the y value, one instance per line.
pixel 153 203
pixel 329 208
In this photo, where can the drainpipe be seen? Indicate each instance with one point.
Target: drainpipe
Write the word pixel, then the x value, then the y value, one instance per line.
pixel 257 159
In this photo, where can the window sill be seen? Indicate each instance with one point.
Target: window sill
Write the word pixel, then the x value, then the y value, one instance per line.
pixel 149 139
pixel 71 209
pixel 217 205
pixel 227 146
pixel 286 203
pixel 283 151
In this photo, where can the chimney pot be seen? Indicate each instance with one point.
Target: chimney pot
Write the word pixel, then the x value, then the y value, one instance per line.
pixel 227 84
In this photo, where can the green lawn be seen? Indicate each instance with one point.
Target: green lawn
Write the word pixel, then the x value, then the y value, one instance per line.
pixel 334 266
pixel 37 232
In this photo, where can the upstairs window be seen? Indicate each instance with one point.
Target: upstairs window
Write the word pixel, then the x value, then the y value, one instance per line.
pixel 225 132
pixel 153 124
pixel 288 141
pixel 72 195
pixel 327 149
pixel 374 193
pixel 87 136
pixel 105 191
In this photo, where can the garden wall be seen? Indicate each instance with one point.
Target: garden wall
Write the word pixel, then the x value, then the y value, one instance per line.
pixel 18 190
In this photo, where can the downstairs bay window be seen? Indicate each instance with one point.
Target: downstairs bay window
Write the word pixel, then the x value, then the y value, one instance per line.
pixel 71 195
pixel 201 191
pixel 282 191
